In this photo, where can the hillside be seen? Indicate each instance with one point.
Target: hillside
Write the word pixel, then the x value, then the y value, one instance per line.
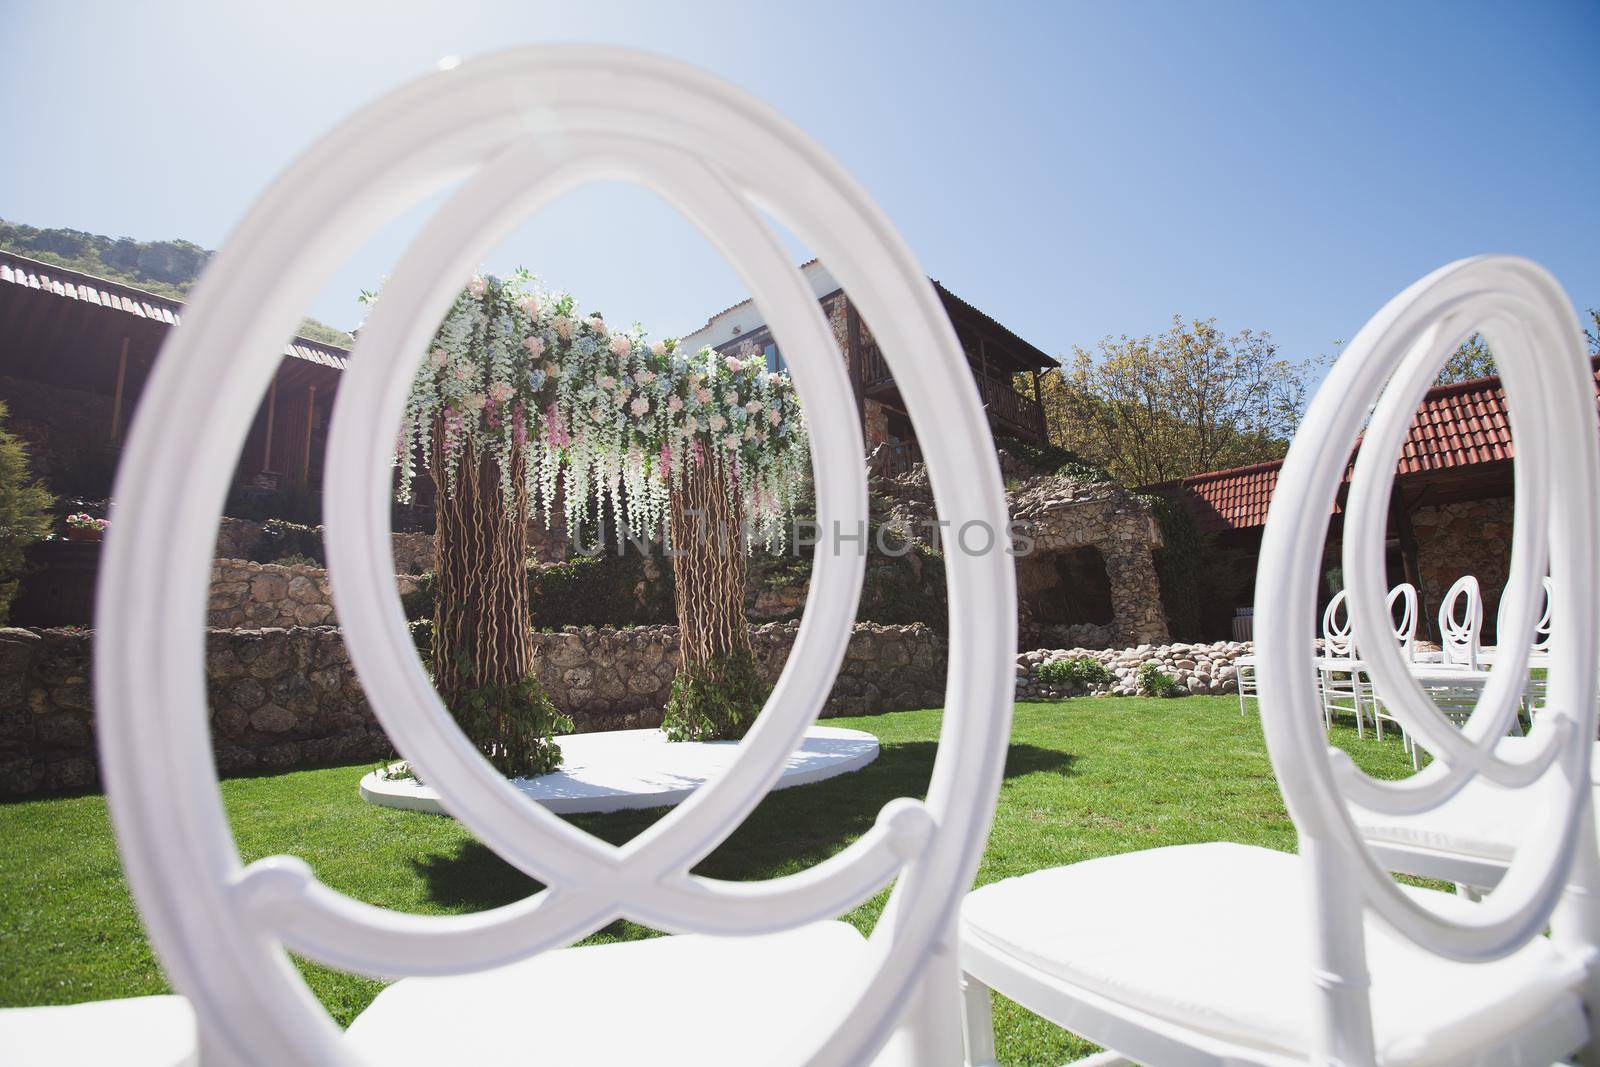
pixel 165 268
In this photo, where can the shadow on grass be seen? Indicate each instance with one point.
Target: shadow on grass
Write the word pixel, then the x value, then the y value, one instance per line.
pixel 789 831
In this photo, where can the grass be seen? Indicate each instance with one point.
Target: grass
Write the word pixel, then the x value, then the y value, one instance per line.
pixel 1086 777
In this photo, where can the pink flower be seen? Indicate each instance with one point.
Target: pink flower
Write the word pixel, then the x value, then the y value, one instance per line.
pixel 674 404
pixel 462 371
pixel 774 379
pixel 474 402
pixel 535 346
pixel 620 346
pixel 530 304
pixel 773 418
pixel 500 392
pixel 440 357
pixel 703 395
pixel 659 348
pixel 717 423
pixel 752 406
pixel 563 327
pixel 598 325
pixel 478 285
pixel 664 459
pixel 645 377
pixel 731 441
pixel 639 406
pixel 607 382
pixel 733 364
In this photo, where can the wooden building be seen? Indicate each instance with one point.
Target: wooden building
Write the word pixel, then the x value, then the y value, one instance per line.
pixel 76 352
pixel 999 360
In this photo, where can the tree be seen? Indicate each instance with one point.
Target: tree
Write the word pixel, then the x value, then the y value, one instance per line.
pixel 1472 360
pixel 523 405
pixel 1188 400
pixel 24 512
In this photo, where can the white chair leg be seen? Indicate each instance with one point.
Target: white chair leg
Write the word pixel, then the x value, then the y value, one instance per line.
pixel 977 1023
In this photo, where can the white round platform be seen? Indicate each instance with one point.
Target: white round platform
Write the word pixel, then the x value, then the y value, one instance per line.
pixel 620 769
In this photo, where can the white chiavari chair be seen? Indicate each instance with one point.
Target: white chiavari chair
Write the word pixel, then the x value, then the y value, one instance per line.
pixel 1220 954
pixel 758 973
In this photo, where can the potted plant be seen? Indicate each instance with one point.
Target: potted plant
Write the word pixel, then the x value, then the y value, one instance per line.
pixel 84 527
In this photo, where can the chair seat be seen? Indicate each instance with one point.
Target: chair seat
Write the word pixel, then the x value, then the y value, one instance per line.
pixel 687 999
pixel 1481 820
pixel 135 1032
pixel 1216 938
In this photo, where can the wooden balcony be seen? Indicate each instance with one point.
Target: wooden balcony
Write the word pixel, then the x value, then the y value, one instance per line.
pixel 1010 412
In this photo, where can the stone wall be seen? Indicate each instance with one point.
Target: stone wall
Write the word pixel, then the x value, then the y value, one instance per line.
pixel 279 698
pixel 284 698
pixel 619 679
pixel 1473 537
pixel 258 595
pixel 1202 668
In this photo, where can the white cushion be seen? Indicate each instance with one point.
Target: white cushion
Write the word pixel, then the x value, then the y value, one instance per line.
pixel 1481 820
pixel 687 999
pixel 1216 938
pixel 136 1032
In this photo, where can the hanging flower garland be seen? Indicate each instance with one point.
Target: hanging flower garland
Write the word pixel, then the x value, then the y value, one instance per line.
pixel 600 417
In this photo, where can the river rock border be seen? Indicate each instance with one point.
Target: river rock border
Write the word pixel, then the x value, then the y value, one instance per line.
pixel 1202 668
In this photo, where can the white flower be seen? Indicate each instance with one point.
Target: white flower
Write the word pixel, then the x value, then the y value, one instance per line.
pixel 620 346
pixel 474 402
pixel 659 348
pixel 717 423
pixel 691 425
pixel 478 285
pixel 639 406
pixel 530 304
pixel 598 325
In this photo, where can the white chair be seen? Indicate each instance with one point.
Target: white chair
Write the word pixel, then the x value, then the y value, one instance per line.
pixel 1339 674
pixel 1461 623
pixel 760 976
pixel 1405 636
pixel 1224 954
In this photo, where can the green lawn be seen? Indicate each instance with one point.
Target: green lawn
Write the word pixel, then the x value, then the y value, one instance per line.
pixel 1085 778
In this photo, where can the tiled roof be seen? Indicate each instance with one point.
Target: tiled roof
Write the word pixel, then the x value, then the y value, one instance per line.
pixel 1458 425
pixel 72 285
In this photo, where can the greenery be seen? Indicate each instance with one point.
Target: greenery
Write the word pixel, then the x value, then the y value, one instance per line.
pixel 1053 459
pixel 717 700
pixel 1084 778
pixel 1474 360
pixel 1081 672
pixel 284 541
pixel 1155 682
pixel 1191 399
pixel 1180 565
pixel 512 725
pixel 165 268
pixel 24 513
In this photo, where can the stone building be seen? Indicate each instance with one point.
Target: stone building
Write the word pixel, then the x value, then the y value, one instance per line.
pixel 1449 513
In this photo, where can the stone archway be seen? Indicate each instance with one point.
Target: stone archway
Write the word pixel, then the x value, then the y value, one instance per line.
pixel 1065 531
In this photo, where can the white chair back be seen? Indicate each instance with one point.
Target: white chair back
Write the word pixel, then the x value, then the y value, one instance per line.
pixel 1405 624
pixel 1541 630
pixel 1337 640
pixel 1392 362
pixel 1461 623
pixel 527 125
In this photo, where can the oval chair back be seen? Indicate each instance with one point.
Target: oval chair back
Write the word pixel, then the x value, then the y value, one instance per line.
pixel 1549 386
pixel 1461 623
pixel 525 126
pixel 1541 631
pixel 1405 624
pixel 1337 638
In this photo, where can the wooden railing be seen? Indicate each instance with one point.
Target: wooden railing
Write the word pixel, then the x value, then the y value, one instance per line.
pixel 1007 407
pixel 891 459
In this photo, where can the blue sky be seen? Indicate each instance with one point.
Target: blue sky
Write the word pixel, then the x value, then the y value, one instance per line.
pixel 1076 170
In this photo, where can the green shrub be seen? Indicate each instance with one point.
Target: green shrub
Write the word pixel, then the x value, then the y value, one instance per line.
pixel 1080 672
pixel 513 725
pixel 282 539
pixel 717 701
pixel 1155 682
pixel 24 513
pixel 601 590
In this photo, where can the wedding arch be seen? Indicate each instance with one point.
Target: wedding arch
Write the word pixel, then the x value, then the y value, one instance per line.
pixel 525 407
